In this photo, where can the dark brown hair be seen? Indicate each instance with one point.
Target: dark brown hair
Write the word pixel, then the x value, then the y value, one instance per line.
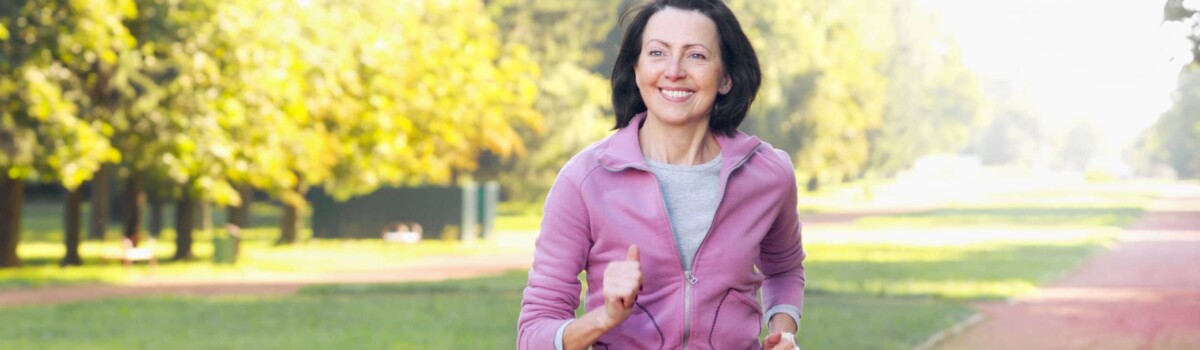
pixel 737 55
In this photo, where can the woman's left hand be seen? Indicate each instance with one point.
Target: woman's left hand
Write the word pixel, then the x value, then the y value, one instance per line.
pixel 780 341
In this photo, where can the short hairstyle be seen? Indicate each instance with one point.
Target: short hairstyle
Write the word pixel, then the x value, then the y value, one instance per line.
pixel 737 56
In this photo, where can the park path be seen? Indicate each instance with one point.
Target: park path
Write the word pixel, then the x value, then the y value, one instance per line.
pixel 1144 293
pixel 434 268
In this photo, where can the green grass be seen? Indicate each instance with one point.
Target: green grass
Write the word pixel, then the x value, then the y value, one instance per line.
pixel 426 321
pixel 41 249
pixel 972 272
pixel 1007 216
pixel 476 314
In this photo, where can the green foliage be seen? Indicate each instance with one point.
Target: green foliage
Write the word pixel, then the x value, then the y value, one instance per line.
pixel 48 134
pixel 566 41
pixel 357 95
pixel 933 102
pixel 1185 12
pixel 1013 134
pixel 852 89
pixel 1176 134
pixel 821 90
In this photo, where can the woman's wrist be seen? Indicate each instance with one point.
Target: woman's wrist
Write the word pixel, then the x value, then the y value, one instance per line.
pixel 782 322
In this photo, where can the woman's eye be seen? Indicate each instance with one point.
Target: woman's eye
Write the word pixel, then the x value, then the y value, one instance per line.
pixel 697 55
pixel 656 53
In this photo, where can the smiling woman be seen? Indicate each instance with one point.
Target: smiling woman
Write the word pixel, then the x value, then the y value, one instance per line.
pixel 678 219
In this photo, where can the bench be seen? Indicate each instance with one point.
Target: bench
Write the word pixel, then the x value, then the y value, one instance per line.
pixel 402 232
pixel 129 254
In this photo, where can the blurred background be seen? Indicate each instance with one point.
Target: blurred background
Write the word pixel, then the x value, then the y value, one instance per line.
pixel 370 174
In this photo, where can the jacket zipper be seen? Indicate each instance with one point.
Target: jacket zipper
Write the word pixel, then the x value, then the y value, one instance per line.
pixel 690 275
pixel 687 274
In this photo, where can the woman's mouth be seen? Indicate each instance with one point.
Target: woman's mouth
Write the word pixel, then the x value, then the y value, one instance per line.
pixel 676 95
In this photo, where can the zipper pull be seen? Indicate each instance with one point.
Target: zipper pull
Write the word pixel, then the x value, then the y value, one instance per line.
pixel 690 277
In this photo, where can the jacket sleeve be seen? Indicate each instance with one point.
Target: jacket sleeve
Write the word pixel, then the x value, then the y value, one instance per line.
pixel 552 293
pixel 782 251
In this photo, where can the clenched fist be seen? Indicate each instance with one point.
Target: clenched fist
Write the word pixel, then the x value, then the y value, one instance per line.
pixel 622 282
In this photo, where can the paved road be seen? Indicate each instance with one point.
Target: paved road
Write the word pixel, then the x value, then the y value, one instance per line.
pixel 1144 293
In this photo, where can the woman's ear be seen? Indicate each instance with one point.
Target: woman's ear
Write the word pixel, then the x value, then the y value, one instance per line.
pixel 726 85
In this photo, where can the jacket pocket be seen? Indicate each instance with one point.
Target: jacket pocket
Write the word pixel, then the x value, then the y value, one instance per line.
pixel 640 331
pixel 736 323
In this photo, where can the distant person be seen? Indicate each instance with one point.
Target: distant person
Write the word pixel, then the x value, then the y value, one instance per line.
pixel 671 215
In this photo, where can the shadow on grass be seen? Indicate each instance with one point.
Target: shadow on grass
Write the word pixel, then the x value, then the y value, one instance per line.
pixel 959 273
pixel 509 282
pixel 1009 216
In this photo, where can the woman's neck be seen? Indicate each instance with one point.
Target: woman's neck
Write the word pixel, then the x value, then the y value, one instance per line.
pixel 688 144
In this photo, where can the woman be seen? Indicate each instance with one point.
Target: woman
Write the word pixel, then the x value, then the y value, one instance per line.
pixel 671 215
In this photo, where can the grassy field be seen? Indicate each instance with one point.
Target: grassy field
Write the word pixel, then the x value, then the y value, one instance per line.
pixel 475 314
pixel 41 249
pixel 885 282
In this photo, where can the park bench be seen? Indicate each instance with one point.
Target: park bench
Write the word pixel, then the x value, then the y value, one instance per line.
pixel 129 253
pixel 402 232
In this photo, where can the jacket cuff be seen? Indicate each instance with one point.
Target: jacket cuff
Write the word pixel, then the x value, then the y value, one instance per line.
pixel 790 310
pixel 558 336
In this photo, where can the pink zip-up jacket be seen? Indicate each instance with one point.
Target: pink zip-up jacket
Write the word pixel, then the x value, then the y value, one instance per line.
pixel 605 199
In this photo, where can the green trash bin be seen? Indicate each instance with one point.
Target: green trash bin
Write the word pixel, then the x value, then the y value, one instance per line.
pixel 224 250
pixel 225 246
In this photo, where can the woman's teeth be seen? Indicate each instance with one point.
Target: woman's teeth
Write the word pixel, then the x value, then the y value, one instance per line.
pixel 677 93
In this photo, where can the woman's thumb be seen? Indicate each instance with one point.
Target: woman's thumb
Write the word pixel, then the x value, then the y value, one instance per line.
pixel 772 340
pixel 634 255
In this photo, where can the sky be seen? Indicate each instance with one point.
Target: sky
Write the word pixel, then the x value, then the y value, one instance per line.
pixel 1112 61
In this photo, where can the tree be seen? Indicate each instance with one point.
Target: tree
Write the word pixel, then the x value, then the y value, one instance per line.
pixel 1012 134
pixel 933 101
pixel 822 89
pixel 44 136
pixel 1177 131
pixel 1185 12
pixel 1173 138
pixel 354 95
pixel 566 39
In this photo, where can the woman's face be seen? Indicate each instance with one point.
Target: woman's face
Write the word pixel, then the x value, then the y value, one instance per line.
pixel 679 71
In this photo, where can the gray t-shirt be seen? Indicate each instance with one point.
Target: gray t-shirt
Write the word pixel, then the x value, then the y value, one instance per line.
pixel 691 194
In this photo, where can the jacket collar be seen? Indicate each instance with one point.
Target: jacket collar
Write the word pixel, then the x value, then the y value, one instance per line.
pixel 625 150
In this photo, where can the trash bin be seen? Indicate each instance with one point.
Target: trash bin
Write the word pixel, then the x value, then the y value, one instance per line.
pixel 225 246
pixel 223 250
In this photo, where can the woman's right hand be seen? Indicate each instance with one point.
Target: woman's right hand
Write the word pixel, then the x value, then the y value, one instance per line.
pixel 622 282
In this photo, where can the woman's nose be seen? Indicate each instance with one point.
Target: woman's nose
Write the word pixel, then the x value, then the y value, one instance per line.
pixel 674 70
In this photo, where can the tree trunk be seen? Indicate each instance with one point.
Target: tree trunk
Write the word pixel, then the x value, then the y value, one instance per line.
pixel 240 215
pixel 99 199
pixel 184 223
pixel 132 202
pixel 290 227
pixel 156 215
pixel 72 221
pixel 813 184
pixel 205 217
pixel 12 193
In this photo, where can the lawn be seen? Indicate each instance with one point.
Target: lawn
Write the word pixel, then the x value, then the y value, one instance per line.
pixel 41 249
pixel 474 314
pixel 885 282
